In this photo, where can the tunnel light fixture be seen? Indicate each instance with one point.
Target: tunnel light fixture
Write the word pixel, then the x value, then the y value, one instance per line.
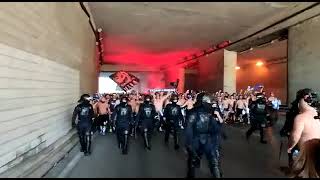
pixel 266 44
pixel 237 67
pixel 246 50
pixel 99 30
pixel 259 63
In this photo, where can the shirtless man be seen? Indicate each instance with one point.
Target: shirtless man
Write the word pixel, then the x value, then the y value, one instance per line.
pixel 246 117
pixel 232 102
pixel 305 127
pixel 103 110
pixel 134 103
pixel 240 106
pixel 225 103
pixel 158 101
pixel 189 103
pixel 182 100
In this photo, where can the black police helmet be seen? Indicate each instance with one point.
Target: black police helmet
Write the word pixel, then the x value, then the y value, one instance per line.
pixel 174 97
pixel 84 97
pixel 206 99
pixel 147 97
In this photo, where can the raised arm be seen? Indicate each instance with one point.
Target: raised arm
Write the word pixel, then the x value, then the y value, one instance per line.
pixel 296 132
pixel 165 96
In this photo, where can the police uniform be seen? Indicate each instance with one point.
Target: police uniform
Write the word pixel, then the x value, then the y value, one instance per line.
pixel 202 137
pixel 84 112
pixel 258 117
pixel 173 116
pixel 146 117
pixel 122 120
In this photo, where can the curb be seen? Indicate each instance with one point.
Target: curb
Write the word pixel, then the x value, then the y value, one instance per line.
pixel 74 161
pixel 70 165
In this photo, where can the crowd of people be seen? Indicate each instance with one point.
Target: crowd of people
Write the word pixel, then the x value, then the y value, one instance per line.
pixel 200 115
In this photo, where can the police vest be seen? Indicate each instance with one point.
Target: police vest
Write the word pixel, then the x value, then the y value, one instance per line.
pixel 260 108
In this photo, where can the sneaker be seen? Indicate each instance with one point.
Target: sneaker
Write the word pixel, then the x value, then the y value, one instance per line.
pixel 160 129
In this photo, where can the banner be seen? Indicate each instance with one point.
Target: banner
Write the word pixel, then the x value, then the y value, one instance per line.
pixel 162 90
pixel 125 80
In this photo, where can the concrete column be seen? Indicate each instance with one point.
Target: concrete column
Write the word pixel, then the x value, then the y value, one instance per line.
pixel 229 71
pixel 304 56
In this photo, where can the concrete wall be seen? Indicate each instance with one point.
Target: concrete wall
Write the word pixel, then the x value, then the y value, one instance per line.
pixel 46 61
pixel 273 75
pixel 304 56
pixel 210 72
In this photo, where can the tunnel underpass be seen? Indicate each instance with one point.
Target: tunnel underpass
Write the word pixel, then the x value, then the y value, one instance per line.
pixel 51 53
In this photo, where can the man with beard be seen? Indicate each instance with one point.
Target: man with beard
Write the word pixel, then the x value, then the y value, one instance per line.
pixel 146 117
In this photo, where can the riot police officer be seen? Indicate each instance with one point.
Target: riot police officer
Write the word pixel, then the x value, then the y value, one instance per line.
pixel 172 117
pixel 122 120
pixel 84 112
pixel 146 117
pixel 258 109
pixel 202 135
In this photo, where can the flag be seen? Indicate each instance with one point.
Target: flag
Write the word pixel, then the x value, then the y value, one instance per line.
pixel 125 80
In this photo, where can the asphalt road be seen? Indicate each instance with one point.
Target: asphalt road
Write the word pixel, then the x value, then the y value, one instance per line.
pixel 240 158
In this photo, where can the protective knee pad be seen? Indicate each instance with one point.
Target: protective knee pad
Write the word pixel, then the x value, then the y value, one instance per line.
pixel 214 167
pixel 192 164
pixel 103 129
pixel 125 146
pixel 82 141
pixel 88 142
pixel 176 138
pixel 145 136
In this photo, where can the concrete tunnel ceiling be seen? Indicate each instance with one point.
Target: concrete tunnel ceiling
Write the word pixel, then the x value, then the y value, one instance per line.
pixel 159 33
